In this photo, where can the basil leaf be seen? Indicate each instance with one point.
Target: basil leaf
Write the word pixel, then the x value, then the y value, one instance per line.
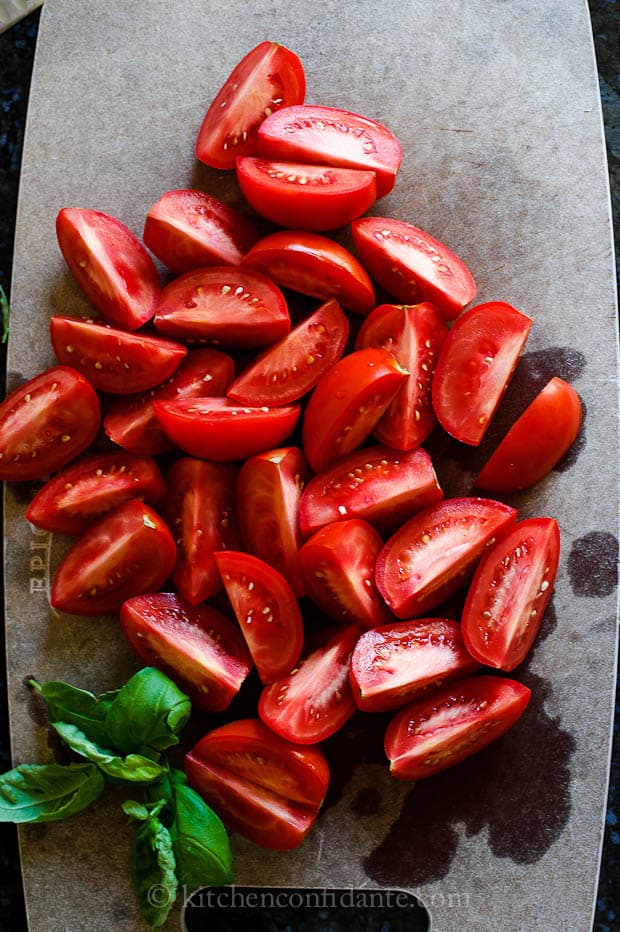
pixel 48 792
pixel 148 713
pixel 134 768
pixel 79 707
pixel 140 812
pixel 153 871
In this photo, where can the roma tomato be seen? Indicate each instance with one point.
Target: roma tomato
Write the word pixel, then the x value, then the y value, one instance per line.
pixel 267 78
pixel 509 593
pixel 267 611
pixel 432 554
pixel 453 723
pixel 263 787
pixel 536 441
pixel 46 422
pixel 195 645
pixel 476 363
pixel 110 265
pixel 412 266
pixel 127 552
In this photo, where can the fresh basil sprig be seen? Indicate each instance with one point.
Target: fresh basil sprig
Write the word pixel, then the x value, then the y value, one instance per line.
pixel 148 713
pixel 153 870
pixel 48 792
pixel 134 768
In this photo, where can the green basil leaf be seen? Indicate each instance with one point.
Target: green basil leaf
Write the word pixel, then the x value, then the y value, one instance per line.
pixel 79 707
pixel 134 768
pixel 149 712
pixel 140 812
pixel 153 871
pixel 48 792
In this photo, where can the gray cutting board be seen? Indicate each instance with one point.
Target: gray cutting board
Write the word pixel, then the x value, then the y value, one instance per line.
pixel 496 104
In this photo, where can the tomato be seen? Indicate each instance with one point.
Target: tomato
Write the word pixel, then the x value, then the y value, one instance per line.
pixel 86 490
pixel 267 612
pixel 112 360
pixel 412 266
pixel 127 552
pixel 268 496
pixel 476 363
pixel 195 645
pixel 347 403
pixel 509 593
pixel 268 77
pixel 338 564
pixel 46 422
pixel 413 334
pixel 392 664
pixel 305 197
pixel 453 723
pixel 263 787
pixel 201 513
pixel 292 366
pixel 190 229
pixel 430 556
pixel 536 441
pixel 326 136
pixel 315 699
pixel 110 265
pixel 313 265
pixel 238 308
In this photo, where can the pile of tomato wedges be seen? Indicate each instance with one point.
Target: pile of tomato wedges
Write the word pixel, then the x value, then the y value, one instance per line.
pixel 289 426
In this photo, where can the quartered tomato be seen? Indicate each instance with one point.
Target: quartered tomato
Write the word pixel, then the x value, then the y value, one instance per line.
pixel 453 723
pixel 262 786
pixel 84 491
pixel 412 266
pixel 110 265
pixel 127 552
pixel 476 363
pixel 195 645
pixel 292 366
pixel 509 593
pixel 327 136
pixel 432 554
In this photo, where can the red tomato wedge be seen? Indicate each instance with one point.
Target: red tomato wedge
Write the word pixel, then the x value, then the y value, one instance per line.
pixel 110 265
pixel 84 491
pixel 201 513
pixel 413 334
pixel 315 699
pixel 432 554
pixel 267 78
pixel 392 664
pixel 313 265
pixel 412 266
pixel 45 423
pixel 536 441
pixel 305 197
pixel 267 611
pixel 237 308
pixel 476 363
pixel 292 366
pixel 126 553
pixel 347 403
pixel 269 491
pixel 263 787
pixel 219 429
pixel 195 645
pixel 453 723
pixel 112 360
pixel 327 136
pixel 509 593
pixel 190 229
pixel 338 564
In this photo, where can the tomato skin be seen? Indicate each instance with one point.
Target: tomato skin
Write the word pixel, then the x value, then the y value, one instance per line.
pixel 392 664
pixel 110 265
pixel 412 266
pixel 429 557
pixel 476 363
pixel 453 723
pixel 189 229
pixel 195 645
pixel 85 490
pixel 509 593
pixel 126 553
pixel 536 441
pixel 268 77
pixel 46 422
